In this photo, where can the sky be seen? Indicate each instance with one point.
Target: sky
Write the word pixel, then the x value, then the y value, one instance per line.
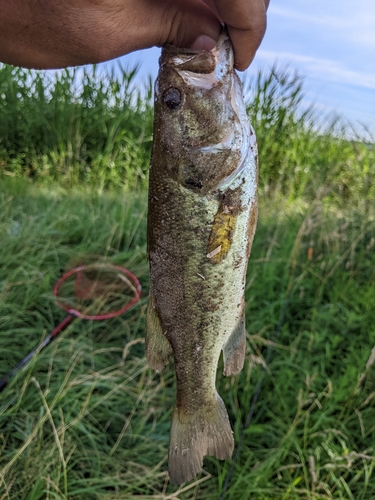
pixel 331 43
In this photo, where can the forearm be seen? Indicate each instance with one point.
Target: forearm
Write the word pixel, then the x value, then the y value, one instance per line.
pixel 55 34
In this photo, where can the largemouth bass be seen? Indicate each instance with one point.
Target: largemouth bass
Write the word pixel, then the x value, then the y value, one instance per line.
pixel 201 223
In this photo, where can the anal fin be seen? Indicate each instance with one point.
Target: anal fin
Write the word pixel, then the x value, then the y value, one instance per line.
pixel 158 349
pixel 235 349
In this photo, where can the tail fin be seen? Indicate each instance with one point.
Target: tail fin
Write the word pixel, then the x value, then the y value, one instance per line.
pixel 206 432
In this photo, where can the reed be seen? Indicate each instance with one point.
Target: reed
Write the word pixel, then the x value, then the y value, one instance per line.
pixel 88 128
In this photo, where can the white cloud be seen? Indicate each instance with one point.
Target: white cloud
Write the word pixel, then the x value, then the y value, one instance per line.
pixel 349 23
pixel 306 17
pixel 324 69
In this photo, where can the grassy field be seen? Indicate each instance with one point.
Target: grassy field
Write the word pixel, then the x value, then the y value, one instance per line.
pixel 87 419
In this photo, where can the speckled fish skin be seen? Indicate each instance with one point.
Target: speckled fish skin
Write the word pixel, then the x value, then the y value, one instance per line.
pixel 201 224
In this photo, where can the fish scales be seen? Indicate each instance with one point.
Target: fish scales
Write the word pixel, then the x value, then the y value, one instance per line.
pixel 201 224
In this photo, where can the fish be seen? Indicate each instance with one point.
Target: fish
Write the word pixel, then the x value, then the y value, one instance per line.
pixel 202 216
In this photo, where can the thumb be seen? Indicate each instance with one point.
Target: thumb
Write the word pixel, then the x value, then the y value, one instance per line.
pixel 190 24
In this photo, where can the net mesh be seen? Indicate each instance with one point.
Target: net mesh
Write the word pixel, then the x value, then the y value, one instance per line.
pixel 95 289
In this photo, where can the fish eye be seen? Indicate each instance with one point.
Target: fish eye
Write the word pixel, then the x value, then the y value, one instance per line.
pixel 172 98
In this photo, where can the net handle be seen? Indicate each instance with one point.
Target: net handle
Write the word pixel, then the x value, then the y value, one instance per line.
pixel 126 276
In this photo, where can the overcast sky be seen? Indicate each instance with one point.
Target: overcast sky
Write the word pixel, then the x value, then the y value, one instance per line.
pixel 329 42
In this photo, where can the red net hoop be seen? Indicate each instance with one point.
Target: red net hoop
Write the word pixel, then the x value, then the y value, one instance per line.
pixel 89 284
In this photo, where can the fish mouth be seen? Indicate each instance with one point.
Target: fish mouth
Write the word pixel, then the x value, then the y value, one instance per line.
pixel 201 68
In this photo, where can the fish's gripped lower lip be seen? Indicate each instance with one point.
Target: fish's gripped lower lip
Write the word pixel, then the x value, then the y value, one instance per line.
pixel 223 67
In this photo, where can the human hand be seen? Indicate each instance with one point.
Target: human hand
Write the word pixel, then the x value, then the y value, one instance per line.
pixel 44 34
pixel 246 21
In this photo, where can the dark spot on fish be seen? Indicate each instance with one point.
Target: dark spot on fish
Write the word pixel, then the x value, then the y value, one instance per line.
pixel 172 98
pixel 231 201
pixel 194 182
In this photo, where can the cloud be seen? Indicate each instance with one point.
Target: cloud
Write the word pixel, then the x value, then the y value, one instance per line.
pixel 351 24
pixel 330 84
pixel 306 17
pixel 326 70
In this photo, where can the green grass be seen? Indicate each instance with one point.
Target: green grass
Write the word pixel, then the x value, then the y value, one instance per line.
pixel 87 419
pixel 75 127
pixel 302 151
pixel 92 129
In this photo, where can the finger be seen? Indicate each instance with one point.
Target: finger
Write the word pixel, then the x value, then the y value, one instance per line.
pixel 246 21
pixel 191 23
pixel 211 4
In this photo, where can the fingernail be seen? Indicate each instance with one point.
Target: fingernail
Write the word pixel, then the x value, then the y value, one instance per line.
pixel 204 42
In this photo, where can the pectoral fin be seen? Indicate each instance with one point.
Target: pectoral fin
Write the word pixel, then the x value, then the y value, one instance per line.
pixel 235 349
pixel 158 349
